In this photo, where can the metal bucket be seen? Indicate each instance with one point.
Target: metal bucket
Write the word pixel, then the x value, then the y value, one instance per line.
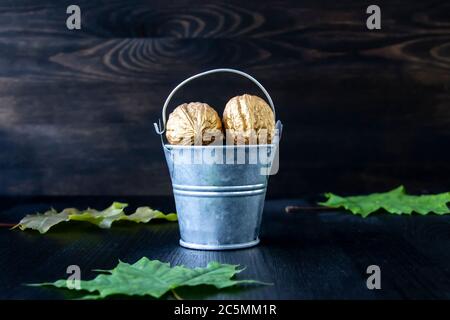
pixel 219 203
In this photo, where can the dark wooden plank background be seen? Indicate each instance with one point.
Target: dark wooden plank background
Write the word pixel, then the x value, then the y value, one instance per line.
pixel 363 110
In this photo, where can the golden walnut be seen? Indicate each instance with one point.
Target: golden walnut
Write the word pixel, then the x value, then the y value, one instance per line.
pixel 248 120
pixel 193 123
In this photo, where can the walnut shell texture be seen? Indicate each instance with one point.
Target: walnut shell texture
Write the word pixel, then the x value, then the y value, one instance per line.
pixel 193 123
pixel 249 119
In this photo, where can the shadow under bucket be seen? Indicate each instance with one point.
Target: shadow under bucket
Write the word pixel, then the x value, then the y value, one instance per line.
pixel 220 190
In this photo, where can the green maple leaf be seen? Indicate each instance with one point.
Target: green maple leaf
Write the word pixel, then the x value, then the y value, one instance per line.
pixel 103 219
pixel 153 278
pixel 395 201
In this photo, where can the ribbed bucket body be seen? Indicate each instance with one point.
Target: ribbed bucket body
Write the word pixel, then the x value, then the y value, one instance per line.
pixel 219 202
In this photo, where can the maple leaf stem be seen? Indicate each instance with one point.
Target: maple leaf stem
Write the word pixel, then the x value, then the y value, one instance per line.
pixel 176 295
pixel 7 225
pixel 291 209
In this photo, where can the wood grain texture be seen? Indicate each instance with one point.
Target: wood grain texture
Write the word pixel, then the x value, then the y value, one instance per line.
pixel 363 110
pixel 320 255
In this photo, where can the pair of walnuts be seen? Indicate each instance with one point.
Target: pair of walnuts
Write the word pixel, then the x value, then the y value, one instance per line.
pixel 247 119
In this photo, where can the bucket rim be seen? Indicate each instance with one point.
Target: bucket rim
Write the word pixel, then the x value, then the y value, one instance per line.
pixel 234 246
pixel 225 146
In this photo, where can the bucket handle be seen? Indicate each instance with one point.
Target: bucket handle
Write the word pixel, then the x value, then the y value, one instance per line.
pixel 160 130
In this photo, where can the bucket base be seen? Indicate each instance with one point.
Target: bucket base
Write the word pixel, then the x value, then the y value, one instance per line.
pixel 197 246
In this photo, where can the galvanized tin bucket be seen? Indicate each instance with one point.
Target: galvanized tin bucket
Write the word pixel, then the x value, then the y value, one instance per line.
pixel 219 203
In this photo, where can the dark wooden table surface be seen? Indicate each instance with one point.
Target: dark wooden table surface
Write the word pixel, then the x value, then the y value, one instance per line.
pixel 308 255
